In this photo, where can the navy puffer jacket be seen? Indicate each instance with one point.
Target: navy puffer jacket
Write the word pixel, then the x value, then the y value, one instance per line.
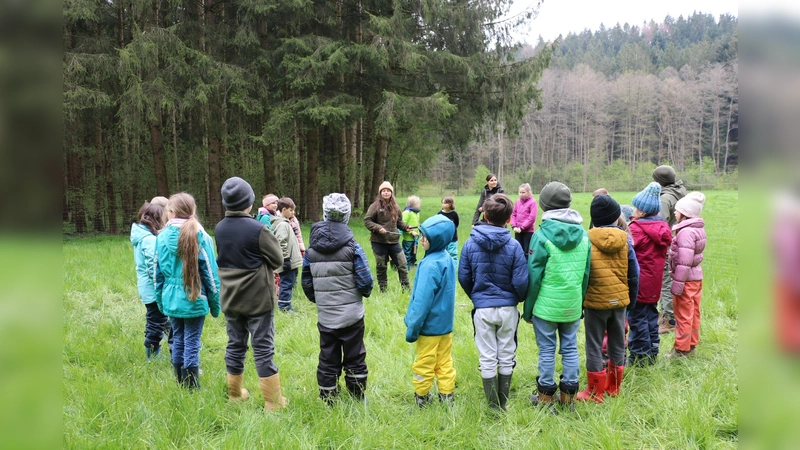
pixel 493 270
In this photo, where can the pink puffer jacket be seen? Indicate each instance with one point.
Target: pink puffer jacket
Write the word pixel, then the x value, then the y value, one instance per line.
pixel 686 253
pixel 524 214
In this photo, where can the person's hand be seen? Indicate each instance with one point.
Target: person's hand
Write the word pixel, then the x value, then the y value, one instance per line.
pixel 382 231
pixel 414 233
pixel 287 264
pixel 480 209
pixel 517 230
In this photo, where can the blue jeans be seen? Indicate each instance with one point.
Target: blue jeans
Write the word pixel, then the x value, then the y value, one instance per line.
pixel 643 339
pixel 186 340
pixel 287 284
pixel 568 348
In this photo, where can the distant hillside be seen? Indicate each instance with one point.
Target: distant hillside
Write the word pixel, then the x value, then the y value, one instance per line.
pixel 694 41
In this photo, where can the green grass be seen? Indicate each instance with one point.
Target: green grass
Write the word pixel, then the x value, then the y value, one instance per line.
pixel 114 398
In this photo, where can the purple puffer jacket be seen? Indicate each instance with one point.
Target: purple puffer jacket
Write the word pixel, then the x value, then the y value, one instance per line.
pixel 686 253
pixel 524 215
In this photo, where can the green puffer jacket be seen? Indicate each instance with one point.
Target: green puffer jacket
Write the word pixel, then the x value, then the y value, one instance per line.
pixel 558 267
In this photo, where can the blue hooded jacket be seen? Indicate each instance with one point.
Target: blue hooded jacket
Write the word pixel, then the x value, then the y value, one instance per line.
pixel 144 253
pixel 493 270
pixel 431 310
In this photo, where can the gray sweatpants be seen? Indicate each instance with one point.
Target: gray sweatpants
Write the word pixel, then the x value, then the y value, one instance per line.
pixel 261 332
pixel 666 295
pixel 597 322
pixel 496 339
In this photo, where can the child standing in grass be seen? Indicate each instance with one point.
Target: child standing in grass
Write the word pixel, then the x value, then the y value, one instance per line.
pixel 336 277
pixel 558 266
pixel 449 211
pixel 613 285
pixel 411 217
pixel 143 237
pixel 186 284
pixel 431 313
pixel 248 254
pixel 523 219
pixel 291 252
pixel 651 240
pixel 494 276
pixel 685 256
pixel 267 211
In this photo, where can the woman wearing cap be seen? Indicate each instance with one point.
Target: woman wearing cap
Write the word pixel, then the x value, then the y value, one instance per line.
pixel 492 187
pixel 383 220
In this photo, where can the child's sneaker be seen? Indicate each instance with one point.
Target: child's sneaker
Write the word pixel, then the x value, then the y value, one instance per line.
pixel 666 325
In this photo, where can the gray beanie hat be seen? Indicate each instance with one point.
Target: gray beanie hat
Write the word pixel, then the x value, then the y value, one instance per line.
pixel 664 175
pixel 237 195
pixel 336 208
pixel 555 195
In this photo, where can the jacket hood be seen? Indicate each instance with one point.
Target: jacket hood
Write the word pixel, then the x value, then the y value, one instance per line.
pixel 695 222
pixel 676 189
pixel 653 227
pixel 492 191
pixel 276 219
pixel 139 232
pixel 438 230
pixel 327 237
pixel 563 228
pixel 608 239
pixel 490 237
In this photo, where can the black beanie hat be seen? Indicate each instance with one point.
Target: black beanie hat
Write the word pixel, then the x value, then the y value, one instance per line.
pixel 237 195
pixel 604 210
pixel 555 195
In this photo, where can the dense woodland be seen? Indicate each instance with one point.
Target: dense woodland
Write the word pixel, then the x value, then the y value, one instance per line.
pixel 303 97
pixel 615 103
pixel 300 97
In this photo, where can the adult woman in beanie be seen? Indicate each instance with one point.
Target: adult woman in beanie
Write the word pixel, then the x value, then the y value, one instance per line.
pixel 652 238
pixel 671 192
pixel 492 187
pixel 383 220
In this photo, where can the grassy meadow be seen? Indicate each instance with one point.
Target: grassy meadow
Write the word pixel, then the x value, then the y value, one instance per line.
pixel 113 397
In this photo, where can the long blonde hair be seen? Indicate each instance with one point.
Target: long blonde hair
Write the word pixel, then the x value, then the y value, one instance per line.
pixel 183 206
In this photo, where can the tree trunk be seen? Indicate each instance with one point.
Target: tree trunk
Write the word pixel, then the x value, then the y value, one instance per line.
pixel 379 166
pixel 99 172
pixel 215 208
pixel 159 157
pixel 311 199
pixel 727 137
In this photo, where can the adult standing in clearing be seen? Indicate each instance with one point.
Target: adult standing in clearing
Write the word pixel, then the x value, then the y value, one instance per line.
pixel 383 220
pixel 492 187
pixel 671 192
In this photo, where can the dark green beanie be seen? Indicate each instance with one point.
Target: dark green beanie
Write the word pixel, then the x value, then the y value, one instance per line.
pixel 664 175
pixel 555 195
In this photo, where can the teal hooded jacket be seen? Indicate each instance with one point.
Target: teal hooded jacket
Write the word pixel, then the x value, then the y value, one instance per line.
pixel 431 310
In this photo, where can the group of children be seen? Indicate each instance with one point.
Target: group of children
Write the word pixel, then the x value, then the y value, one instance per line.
pixel 564 274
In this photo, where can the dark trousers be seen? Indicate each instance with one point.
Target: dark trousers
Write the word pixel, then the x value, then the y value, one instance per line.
pixel 288 277
pixel 597 322
pixel 382 252
pixel 342 349
pixel 155 327
pixel 262 337
pixel 643 338
pixel 524 240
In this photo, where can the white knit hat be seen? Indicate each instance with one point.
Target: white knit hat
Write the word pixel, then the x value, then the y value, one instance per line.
pixel 691 205
pixel 336 208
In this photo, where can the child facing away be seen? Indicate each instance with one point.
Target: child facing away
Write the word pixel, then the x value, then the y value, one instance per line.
pixel 186 284
pixel 494 276
pixel 336 277
pixel 651 240
pixel 685 257
pixel 410 239
pixel 558 266
pixel 291 252
pixel 449 211
pixel 143 237
pixel 248 254
pixel 431 313
pixel 671 192
pixel 613 285
pixel 523 219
